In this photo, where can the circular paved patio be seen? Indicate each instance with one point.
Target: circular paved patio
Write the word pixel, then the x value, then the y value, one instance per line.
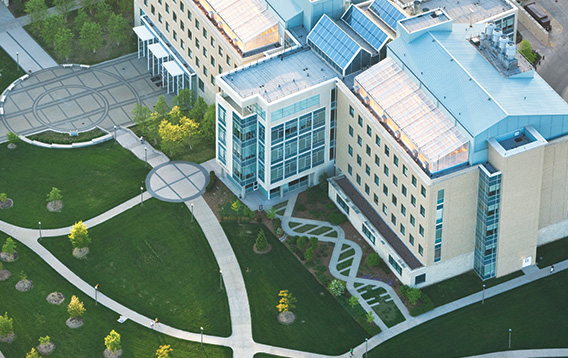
pixel 177 181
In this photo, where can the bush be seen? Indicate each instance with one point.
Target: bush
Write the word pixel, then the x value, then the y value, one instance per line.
pixel 373 259
pixel 412 293
pixel 212 181
pixel 323 278
pixel 13 138
pixel 10 246
pixel 44 340
pixel 3 197
pixel 526 50
pixel 292 240
pixel 425 306
pixel 323 183
pixel 336 287
pixel 309 254
pixel 302 243
pixel 261 244
pixel 277 223
pixel 6 325
pixel 337 218
pixel 314 242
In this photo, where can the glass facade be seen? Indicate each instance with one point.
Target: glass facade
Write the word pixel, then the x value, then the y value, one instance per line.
pixel 439 221
pixel 244 151
pixel 487 227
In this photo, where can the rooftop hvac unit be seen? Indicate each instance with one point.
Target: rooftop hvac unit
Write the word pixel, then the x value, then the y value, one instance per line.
pixel 414 153
pixel 384 117
pixel 397 134
pixel 367 100
pixel 503 40
pixel 510 50
pixel 489 29
pixel 496 35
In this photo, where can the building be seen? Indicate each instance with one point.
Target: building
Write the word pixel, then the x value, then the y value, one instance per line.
pixel 454 163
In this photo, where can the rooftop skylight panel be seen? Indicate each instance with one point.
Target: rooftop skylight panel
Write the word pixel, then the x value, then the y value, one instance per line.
pixel 334 42
pixel 387 12
pixel 366 28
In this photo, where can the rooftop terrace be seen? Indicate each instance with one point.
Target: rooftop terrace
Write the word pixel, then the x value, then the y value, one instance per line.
pixel 459 10
pixel 280 76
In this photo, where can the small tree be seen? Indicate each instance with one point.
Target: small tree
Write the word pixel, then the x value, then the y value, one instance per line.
pixel 49 28
pixel 526 50
pixel 309 254
pixel 261 244
pixel 353 301
pixel 13 138
pixel 287 301
pixel 10 246
pixel 118 28
pixel 76 308
pixel 91 36
pixel 79 236
pixel 112 341
pixel 163 351
pixel 271 213
pixel 103 13
pixel 3 197
pixel 314 242
pixel 373 259
pixel 199 109
pixel 44 340
pixel 413 295
pixel 237 207
pixel 63 42
pixel 33 354
pixel 37 9
pixel 336 287
pixel 64 6
pixel 207 126
pixel 161 107
pixel 6 325
pixel 370 317
pixel 80 20
pixel 54 195
pixel 184 100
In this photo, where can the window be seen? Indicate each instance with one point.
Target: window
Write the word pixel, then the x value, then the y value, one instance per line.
pixel 384 209
pixel 421 230
pixel 402 230
pixel 174 17
pixel 385 190
pixel 349 169
pixel 367 170
pixel 189 53
pixel 196 42
pixel 204 52
pixel 358 160
pixel 360 121
pixel 394 200
pixel 152 9
pixel 395 180
pixel 197 24
pixel 204 32
pixel 359 140
pixel 350 150
pixel 182 44
pixel 393 219
pixel 376 199
pixel 377 140
pixel 420 279
pixel 197 62
pixel 368 151
pixel 167 8
pixel 422 211
pixel 358 178
pixel 387 150
pixel 423 190
pixel 167 27
pixel 213 80
pixel 213 61
pixel 376 179
pixel 220 51
pixel 420 250
pixel 205 71
pixel 412 220
pixel 159 18
pixel 181 6
pixel 395 160
pixel 386 170
pixel 403 189
pixel 182 26
pixel 175 36
pixel 413 200
pixel 367 189
pixel 220 69
pixel 414 181
pixel 369 131
pixel 351 131
pixel 212 42
pixel 411 239
pixel 189 16
pixel 351 111
pixel 403 210
pixel 342 204
pixel 377 161
pixel 201 84
pixel 189 34
pixel 228 60
pixel 404 170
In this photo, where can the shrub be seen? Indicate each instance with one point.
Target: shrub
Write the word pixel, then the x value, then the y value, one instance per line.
pixel 23 276
pixel 112 341
pixel 44 340
pixel 373 259
pixel 337 218
pixel 425 306
pixel 353 301
pixel 287 301
pixel 526 50
pixel 10 246
pixel 323 278
pixel 271 213
pixel 323 183
pixel 309 254
pixel 261 244
pixel 54 195
pixel 336 287
pixel 163 351
pixel 330 205
pixel 370 317
pixel 277 223
pixel 412 293
pixel 13 138
pixel 314 242
pixel 292 240
pixel 212 181
pixel 33 354
pixel 75 308
pixel 79 236
pixel 302 243
pixel 320 268
pixel 3 197
pixel 6 325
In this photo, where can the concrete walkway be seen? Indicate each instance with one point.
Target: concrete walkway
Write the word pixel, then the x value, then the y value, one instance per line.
pixel 527 353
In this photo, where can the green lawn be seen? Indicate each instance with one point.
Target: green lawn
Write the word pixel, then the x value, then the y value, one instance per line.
pixel 387 311
pixel 461 286
pixel 306 227
pixel 322 325
pixel 552 253
pixel 34 317
pixel 535 312
pixel 320 230
pixel 346 254
pixel 92 180
pixel 345 264
pixel 265 355
pixel 64 138
pixel 9 70
pixel 154 260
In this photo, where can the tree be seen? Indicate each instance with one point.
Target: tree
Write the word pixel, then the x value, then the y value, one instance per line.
pixel 91 36
pixel 198 110
pixel 10 246
pixel 271 213
pixel 526 50
pixel 353 301
pixel 237 207
pixel 6 325
pixel 302 243
pixel 112 341
pixel 89 4
pixel 33 354
pixel 261 244
pixel 118 28
pixel 370 317
pixel 207 127
pixel 314 242
pixel 336 287
pixel 125 6
pixel 80 20
pixel 163 351
pixel 44 340
pixel 141 116
pixel 76 308
pixel 309 254
pixel 161 107
pixel 54 195
pixel 103 12
pixel 63 7
pixel 175 136
pixel 184 100
pixel 3 197
pixel 323 183
pixel 13 138
pixel 49 28
pixel 287 301
pixel 63 42
pixel 79 236
pixel 373 259
pixel 37 9
pixel 413 295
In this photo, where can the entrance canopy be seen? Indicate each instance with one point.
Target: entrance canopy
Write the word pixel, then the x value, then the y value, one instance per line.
pixel 143 33
pixel 158 50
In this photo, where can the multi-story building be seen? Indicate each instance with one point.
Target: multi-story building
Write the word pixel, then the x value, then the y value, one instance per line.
pixel 451 153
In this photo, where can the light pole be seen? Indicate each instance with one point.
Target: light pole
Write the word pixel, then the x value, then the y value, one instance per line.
pixel 96 292
pixel 146 156
pixel 141 196
pixel 201 337
pixel 366 347
pixel 483 295
pixel 39 224
pixel 220 279
pixel 191 212
pixel 510 330
pixel 18 58
pixel 114 132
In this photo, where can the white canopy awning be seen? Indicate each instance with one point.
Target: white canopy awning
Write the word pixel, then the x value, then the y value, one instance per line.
pixel 158 50
pixel 173 68
pixel 143 33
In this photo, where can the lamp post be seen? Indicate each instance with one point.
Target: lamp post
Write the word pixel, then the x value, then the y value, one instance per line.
pixel 483 295
pixel 114 132
pixel 510 331
pixel 146 156
pixel 141 196
pixel 191 212
pixel 220 279
pixel 39 224
pixel 18 58
pixel 201 337
pixel 366 347
pixel 96 292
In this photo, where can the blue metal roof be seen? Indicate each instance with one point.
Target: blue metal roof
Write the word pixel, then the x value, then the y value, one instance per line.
pixel 468 86
pixel 366 28
pixel 287 9
pixel 333 42
pixel 387 12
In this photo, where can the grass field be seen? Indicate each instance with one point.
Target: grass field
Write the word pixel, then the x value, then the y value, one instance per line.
pixel 92 180
pixel 34 317
pixel 154 260
pixel 322 325
pixel 536 313
pixel 552 253
pixel 9 70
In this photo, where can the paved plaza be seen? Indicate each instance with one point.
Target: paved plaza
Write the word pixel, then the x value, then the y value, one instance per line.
pixel 177 181
pixel 79 98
